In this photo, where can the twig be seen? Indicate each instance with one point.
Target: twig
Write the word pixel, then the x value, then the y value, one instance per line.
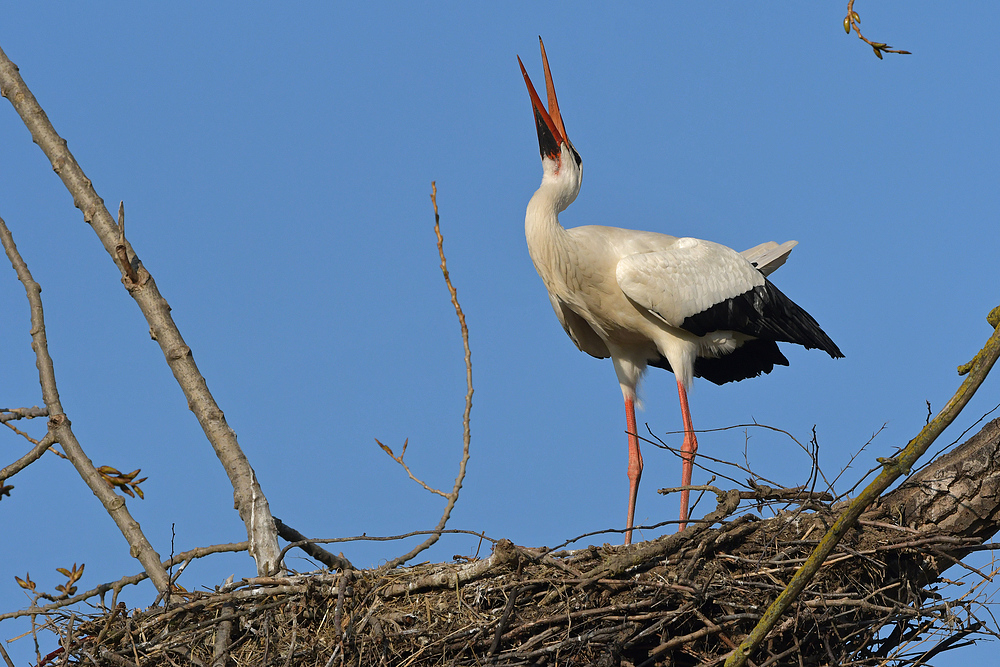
pixel 59 424
pixel 250 500
pixel 502 625
pixel 10 414
pixel 6 658
pixel 467 437
pixel 399 460
pixel 30 457
pixel 388 538
pixel 893 468
pixel 853 21
pixel 131 580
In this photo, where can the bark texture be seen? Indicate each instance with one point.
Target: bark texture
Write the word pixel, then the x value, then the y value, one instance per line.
pixel 957 494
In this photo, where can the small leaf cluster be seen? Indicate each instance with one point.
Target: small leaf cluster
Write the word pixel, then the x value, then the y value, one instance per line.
pixel 72 575
pixel 852 20
pixel 26 583
pixel 124 481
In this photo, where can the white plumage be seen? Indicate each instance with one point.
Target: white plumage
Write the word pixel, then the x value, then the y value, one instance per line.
pixel 694 307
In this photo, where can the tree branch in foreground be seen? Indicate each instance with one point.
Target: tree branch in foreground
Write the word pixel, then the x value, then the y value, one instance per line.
pixel 250 500
pixel 453 496
pixel 893 468
pixel 60 430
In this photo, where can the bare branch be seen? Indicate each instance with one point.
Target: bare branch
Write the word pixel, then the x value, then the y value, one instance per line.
pixel 61 431
pixel 250 500
pixel 131 580
pixel 386 538
pixel 10 414
pixel 399 460
pixel 29 458
pixel 453 496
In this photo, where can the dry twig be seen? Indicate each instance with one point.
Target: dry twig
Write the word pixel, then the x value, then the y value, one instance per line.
pixel 466 439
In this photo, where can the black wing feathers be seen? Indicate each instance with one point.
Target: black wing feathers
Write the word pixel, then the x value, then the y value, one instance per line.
pixel 748 360
pixel 765 313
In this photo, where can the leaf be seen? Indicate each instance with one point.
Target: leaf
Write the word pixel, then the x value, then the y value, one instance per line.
pixel 64 572
pixel 877 52
pixel 25 583
pixel 847 24
pixel 385 448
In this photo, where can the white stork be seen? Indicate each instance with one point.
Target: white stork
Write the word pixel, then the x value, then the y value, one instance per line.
pixel 693 307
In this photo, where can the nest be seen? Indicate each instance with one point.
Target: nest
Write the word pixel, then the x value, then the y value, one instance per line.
pixel 683 599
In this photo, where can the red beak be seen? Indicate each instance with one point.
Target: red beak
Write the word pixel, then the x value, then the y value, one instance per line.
pixel 551 131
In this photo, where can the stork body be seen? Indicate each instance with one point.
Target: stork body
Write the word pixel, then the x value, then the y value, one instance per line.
pixel 694 307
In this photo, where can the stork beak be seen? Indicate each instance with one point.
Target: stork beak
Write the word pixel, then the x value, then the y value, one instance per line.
pixel 551 131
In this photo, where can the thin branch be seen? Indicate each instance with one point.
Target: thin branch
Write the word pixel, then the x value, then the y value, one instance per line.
pixel 10 414
pixel 399 460
pixel 386 538
pixel 892 469
pixel 250 500
pixel 131 580
pixel 466 439
pixel 61 431
pixel 853 21
pixel 33 455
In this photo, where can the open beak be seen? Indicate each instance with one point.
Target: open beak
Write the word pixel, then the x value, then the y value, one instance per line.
pixel 551 131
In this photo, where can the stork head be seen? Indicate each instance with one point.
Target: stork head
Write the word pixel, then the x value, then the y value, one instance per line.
pixel 561 164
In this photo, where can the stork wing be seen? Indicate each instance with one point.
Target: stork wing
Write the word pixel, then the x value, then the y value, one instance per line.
pixel 689 277
pixel 700 286
pixel 769 256
pixel 581 333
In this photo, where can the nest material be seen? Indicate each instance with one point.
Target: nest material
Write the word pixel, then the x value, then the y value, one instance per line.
pixel 684 599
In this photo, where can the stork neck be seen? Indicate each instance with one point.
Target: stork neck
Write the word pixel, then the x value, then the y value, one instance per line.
pixel 542 216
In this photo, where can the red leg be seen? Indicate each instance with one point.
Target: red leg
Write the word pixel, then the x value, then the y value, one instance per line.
pixel 634 466
pixel 688 450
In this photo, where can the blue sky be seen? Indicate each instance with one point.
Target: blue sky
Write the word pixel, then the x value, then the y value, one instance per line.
pixel 276 167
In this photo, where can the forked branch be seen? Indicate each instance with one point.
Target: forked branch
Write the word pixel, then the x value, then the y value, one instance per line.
pixel 250 500
pixel 60 430
pixel 466 439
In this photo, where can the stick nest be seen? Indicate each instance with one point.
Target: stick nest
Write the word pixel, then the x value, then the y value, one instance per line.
pixel 683 599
